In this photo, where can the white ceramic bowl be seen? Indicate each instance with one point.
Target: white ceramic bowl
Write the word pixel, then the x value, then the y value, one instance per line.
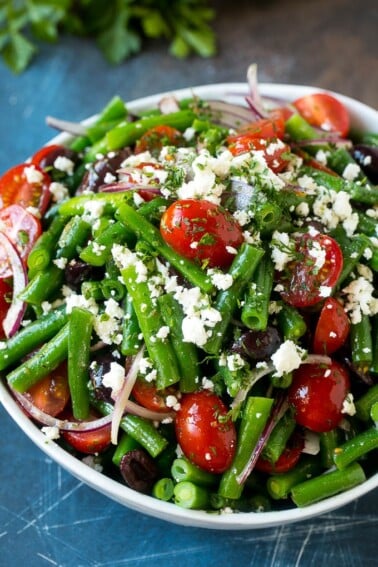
pixel 363 117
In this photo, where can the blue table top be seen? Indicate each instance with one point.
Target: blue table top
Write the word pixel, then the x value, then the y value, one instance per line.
pixel 47 517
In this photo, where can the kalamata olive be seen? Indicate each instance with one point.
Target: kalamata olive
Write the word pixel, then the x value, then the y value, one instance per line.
pixel 367 158
pixel 76 272
pixel 49 159
pixel 257 345
pixel 138 470
pixel 95 176
pixel 98 367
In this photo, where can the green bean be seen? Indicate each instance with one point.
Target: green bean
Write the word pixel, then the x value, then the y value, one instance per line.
pixel 370 138
pixel 364 404
pixel 44 249
pixel 268 217
pixel 366 225
pixel 352 249
pixel 74 235
pixel 131 341
pixel 113 288
pixel 163 489
pixel 291 323
pixel 140 429
pixel 226 302
pixel 146 231
pixel 362 193
pixel 361 342
pixel 355 448
pixel 374 335
pixel 92 290
pixel 48 357
pixel 329 484
pixel 254 418
pixel 279 437
pixel 255 311
pixel 32 336
pixel 184 470
pixel 125 444
pixel 150 322
pixel 280 485
pixel 299 129
pixel 187 356
pixel 374 412
pixel 43 285
pixel 373 262
pixel 283 381
pixel 190 496
pixel 79 339
pixel 329 440
pixel 339 159
pixel 77 205
pixel 99 250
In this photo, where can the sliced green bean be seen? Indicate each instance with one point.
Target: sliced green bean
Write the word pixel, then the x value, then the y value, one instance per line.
pixel 355 448
pixel 163 489
pixel 125 444
pixel 226 302
pixel 184 470
pixel 329 440
pixel 326 485
pixel 75 234
pixel 361 342
pixel 131 340
pixel 32 336
pixel 99 250
pixel 291 323
pixel 44 249
pixel 189 495
pixel 279 437
pixel 255 311
pixel 365 403
pixel 49 356
pixel 280 485
pixel 43 286
pixel 79 340
pixel 253 421
pixel 77 205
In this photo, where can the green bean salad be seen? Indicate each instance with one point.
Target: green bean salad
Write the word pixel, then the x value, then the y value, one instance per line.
pixel 189 298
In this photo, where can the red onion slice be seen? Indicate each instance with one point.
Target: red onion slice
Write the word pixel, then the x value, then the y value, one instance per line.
pixel 119 187
pixel 124 394
pixel 15 313
pixel 255 100
pixel 74 128
pixel 230 115
pixel 168 104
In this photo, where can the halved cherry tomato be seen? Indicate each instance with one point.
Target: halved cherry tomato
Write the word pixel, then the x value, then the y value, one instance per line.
pixel 146 394
pixel 5 298
pixel 90 442
pixel 22 228
pixel 267 128
pixel 206 435
pixel 310 161
pixel 154 139
pixel 287 460
pixel 317 394
pixel 324 111
pixel 302 280
pixel 16 189
pixel 274 153
pixel 332 329
pixel 202 231
pixel 51 394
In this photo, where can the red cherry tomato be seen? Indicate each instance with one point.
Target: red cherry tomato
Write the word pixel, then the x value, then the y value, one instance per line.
pixel 146 394
pixel 332 329
pixel 15 187
pixel 5 298
pixel 287 460
pixel 274 154
pixel 22 228
pixel 51 394
pixel 301 279
pixel 205 433
pixel 202 231
pixel 324 111
pixel 317 394
pixel 89 442
pixel 267 128
pixel 154 139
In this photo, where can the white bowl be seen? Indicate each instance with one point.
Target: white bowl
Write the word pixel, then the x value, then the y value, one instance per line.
pixel 363 117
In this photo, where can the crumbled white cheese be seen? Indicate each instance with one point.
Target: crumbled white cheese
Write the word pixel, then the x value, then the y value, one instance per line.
pixel 235 362
pixel 60 263
pixel 302 210
pixel 348 405
pixel 114 378
pixel 163 333
pixel 93 209
pixel 51 433
pixel 33 175
pixel 58 191
pixel 311 443
pixel 63 163
pixel 360 299
pixel 288 357
pixel 282 249
pixel 351 171
pixel 90 461
pixel 172 402
pixel 123 257
pixel 325 291
pixel 219 279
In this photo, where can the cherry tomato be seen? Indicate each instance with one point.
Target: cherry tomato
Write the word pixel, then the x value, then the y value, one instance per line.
pixel 89 442
pixel 332 329
pixel 146 394
pixel 5 298
pixel 312 162
pixel 138 174
pixel 287 460
pixel 154 139
pixel 15 187
pixel 324 111
pixel 267 128
pixel 202 231
pixel 302 279
pixel 274 154
pixel 51 394
pixel 22 228
pixel 206 435
pixel 317 394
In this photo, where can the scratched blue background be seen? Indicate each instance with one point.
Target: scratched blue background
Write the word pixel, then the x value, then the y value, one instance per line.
pixel 46 516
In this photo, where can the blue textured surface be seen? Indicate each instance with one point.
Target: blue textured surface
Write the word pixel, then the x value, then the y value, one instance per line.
pixel 46 516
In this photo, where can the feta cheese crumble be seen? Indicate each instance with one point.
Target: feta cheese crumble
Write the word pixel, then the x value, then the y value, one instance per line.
pixel 287 358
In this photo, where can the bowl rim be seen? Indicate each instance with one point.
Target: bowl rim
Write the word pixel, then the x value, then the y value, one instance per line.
pixel 362 116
